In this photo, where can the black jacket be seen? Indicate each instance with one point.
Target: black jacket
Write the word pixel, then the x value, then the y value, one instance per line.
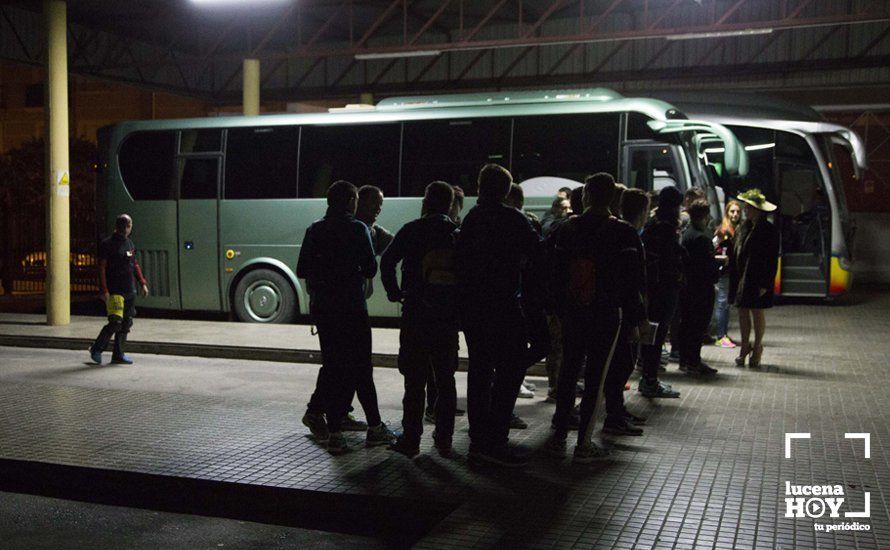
pixel 756 260
pixel 335 259
pixel 664 257
pixel 702 270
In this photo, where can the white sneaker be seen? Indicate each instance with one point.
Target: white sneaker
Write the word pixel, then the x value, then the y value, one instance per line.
pixel 530 386
pixel 525 393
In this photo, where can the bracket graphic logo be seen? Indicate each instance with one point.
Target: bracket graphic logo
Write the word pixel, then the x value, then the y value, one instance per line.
pixel 815 501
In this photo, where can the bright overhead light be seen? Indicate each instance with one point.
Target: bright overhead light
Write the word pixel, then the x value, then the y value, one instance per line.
pixel 717 34
pixel 397 55
pixel 238 3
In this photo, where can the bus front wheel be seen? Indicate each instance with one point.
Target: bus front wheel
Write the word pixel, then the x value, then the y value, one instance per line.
pixel 265 296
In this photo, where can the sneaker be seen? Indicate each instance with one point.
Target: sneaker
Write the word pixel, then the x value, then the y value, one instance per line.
pixel 503 456
pixel 579 389
pixel 701 369
pixel 96 356
pixel 337 444
pixel 379 435
pixel 726 342
pixel 555 447
pixel 551 396
pixel 517 423
pixel 457 412
pixel 525 393
pixel 656 389
pixel 620 426
pixel 317 425
pixel 589 453
pixel 351 424
pixel 122 360
pixel 634 419
pixel 530 386
pixel 402 446
pixel 430 416
pixel 707 340
pixel 574 420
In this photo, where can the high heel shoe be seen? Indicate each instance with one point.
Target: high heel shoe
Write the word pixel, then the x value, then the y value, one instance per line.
pixel 745 349
pixel 754 362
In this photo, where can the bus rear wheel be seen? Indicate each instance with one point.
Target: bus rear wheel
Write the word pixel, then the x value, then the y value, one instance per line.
pixel 265 296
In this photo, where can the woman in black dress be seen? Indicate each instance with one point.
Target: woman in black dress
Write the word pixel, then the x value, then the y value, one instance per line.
pixel 756 259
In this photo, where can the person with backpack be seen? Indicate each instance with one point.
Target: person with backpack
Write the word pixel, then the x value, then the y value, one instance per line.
pixel 596 268
pixel 429 324
pixel 335 259
pixel 494 242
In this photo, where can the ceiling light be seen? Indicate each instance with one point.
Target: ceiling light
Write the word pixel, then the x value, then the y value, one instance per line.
pixel 396 55
pixel 717 34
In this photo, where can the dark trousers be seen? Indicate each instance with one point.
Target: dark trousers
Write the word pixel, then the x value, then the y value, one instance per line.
pixel 425 346
pixel 622 367
pixel 119 327
pixel 345 341
pixel 592 333
pixel 538 330
pixel 697 304
pixel 497 354
pixel 662 305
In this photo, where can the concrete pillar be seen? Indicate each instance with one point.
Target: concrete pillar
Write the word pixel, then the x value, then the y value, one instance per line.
pixel 251 87
pixel 366 98
pixel 58 184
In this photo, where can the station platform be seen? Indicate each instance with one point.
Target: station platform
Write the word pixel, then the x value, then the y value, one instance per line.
pixel 221 436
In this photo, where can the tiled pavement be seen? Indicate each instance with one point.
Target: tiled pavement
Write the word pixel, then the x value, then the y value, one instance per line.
pixel 709 471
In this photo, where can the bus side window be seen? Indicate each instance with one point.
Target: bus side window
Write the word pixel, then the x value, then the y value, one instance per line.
pixel 364 154
pixel 261 163
pixel 198 178
pixel 586 144
pixel 452 151
pixel 146 165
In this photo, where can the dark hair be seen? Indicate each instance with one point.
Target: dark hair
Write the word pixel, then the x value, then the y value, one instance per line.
pixel 615 203
pixel 633 203
pixel 438 197
pixel 339 194
pixel 699 209
pixel 692 194
pixel 515 197
pixel 576 200
pixel 122 222
pixel 365 192
pixel 669 200
pixel 494 182
pixel 566 190
pixel 599 189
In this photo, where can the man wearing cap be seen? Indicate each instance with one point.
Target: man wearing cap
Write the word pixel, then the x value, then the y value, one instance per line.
pixel 664 278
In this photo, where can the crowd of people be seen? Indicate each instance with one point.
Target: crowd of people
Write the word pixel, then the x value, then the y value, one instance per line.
pixel 594 289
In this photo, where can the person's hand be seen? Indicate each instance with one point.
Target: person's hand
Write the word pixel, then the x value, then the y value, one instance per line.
pixel 104 297
pixel 762 291
pixel 144 290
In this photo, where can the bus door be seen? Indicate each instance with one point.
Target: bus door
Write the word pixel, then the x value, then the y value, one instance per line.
pixel 198 235
pixel 652 166
pixel 804 222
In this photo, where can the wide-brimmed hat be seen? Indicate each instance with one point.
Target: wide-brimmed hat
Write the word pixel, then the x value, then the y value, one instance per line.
pixel 757 199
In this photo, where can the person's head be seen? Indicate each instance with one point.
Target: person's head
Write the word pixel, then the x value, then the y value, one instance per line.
pixel 438 198
pixel 691 195
pixel 560 207
pixel 615 204
pixel 752 213
pixel 756 204
pixel 343 196
pixel 564 192
pixel 370 202
pixel 494 183
pixel 669 201
pixel 732 216
pixel 515 197
pixel 699 213
pixel 576 200
pixel 457 204
pixel 635 207
pixel 599 190
pixel 123 224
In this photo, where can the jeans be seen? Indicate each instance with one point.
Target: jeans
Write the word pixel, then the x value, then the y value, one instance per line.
pixel 721 309
pixel 590 338
pixel 428 346
pixel 497 350
pixel 345 341
pixel 119 327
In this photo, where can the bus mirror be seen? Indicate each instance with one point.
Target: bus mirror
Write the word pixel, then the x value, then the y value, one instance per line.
pixel 858 166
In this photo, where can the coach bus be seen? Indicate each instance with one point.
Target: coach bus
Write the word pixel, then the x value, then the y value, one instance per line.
pixel 795 157
pixel 220 205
